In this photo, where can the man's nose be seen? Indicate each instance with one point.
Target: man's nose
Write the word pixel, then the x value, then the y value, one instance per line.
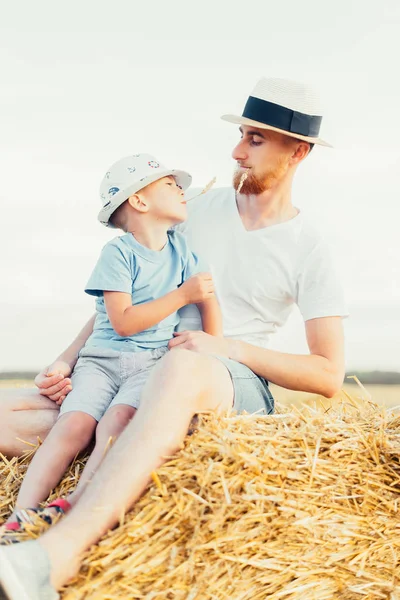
pixel 239 152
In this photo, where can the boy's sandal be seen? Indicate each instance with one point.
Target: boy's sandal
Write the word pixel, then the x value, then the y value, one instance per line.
pixel 10 533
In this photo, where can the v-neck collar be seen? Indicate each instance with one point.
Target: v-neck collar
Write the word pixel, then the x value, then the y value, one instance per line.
pixel 290 222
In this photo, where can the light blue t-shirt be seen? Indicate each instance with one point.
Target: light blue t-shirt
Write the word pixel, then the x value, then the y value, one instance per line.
pixel 127 266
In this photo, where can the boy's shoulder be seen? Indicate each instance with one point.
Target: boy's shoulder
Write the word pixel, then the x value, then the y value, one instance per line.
pixel 120 242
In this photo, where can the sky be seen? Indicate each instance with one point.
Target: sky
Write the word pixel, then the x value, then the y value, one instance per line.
pixel 85 83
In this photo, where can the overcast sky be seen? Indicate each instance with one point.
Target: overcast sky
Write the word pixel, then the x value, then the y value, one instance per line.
pixel 87 82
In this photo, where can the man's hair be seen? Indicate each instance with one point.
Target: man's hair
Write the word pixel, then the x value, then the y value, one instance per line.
pixel 118 217
pixel 289 140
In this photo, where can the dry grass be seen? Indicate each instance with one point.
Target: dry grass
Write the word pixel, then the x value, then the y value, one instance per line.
pixel 300 505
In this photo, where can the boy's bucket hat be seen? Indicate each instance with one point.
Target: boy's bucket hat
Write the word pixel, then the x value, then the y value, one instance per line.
pixel 129 175
pixel 285 106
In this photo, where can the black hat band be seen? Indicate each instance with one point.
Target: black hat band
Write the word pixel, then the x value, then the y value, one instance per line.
pixel 281 117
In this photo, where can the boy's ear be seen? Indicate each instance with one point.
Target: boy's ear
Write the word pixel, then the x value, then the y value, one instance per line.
pixel 138 202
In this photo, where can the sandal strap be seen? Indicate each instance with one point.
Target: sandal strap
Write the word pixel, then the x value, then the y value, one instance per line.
pixel 61 504
pixel 26 515
pixel 14 526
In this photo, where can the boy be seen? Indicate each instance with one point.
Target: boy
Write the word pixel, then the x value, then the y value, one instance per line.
pixel 140 282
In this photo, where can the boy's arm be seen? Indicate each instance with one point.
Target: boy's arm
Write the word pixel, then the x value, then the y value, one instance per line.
pixel 211 316
pixel 127 319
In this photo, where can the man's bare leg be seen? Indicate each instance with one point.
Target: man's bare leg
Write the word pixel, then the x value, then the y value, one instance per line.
pixel 25 416
pixel 182 384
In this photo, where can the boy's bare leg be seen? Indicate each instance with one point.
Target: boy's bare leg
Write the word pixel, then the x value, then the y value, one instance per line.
pixel 25 416
pixel 69 436
pixel 182 384
pixel 108 431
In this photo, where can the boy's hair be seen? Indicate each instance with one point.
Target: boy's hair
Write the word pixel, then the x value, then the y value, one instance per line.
pixel 119 217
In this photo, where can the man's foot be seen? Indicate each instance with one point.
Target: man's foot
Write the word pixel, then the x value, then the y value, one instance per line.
pixel 25 573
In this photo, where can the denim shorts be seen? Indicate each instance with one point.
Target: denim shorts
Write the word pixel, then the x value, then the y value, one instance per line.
pixel 251 392
pixel 103 378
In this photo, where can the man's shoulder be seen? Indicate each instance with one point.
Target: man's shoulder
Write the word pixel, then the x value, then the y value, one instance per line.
pixel 314 247
pixel 310 236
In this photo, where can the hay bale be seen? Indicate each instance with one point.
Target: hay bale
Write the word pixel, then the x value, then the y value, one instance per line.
pixel 300 505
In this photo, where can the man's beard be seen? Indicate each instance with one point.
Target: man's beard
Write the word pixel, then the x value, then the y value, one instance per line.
pixel 254 184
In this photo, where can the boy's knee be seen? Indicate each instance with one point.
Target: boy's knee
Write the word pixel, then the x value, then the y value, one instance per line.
pixel 119 417
pixel 77 426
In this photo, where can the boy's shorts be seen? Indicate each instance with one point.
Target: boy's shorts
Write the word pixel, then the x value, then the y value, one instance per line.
pixel 103 378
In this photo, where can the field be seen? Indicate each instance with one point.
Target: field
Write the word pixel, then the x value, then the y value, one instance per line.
pixel 386 395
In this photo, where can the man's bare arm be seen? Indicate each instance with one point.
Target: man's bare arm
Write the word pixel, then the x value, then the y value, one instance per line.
pixel 70 354
pixel 320 372
pixel 53 381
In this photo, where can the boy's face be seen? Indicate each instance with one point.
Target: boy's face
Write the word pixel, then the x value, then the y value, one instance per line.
pixel 165 200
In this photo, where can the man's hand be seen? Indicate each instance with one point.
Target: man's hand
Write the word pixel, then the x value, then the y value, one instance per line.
pixel 198 288
pixel 198 341
pixel 54 381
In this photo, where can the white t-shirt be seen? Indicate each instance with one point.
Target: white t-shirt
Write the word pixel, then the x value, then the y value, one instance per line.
pixel 259 275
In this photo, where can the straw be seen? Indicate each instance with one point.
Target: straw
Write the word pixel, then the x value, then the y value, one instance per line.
pixel 301 505
pixel 242 180
pixel 205 189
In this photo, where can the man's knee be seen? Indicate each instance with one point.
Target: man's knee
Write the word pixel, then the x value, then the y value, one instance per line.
pixel 201 376
pixel 182 362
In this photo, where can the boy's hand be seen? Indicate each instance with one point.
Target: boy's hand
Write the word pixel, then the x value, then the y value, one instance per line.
pixel 54 381
pixel 198 288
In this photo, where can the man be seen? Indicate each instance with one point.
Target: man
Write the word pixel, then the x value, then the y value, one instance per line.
pixel 264 258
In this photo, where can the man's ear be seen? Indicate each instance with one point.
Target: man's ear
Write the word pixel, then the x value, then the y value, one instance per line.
pixel 138 202
pixel 301 150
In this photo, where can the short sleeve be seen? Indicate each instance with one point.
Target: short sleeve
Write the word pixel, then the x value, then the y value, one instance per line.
pixel 112 272
pixel 193 265
pixel 191 262
pixel 319 290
